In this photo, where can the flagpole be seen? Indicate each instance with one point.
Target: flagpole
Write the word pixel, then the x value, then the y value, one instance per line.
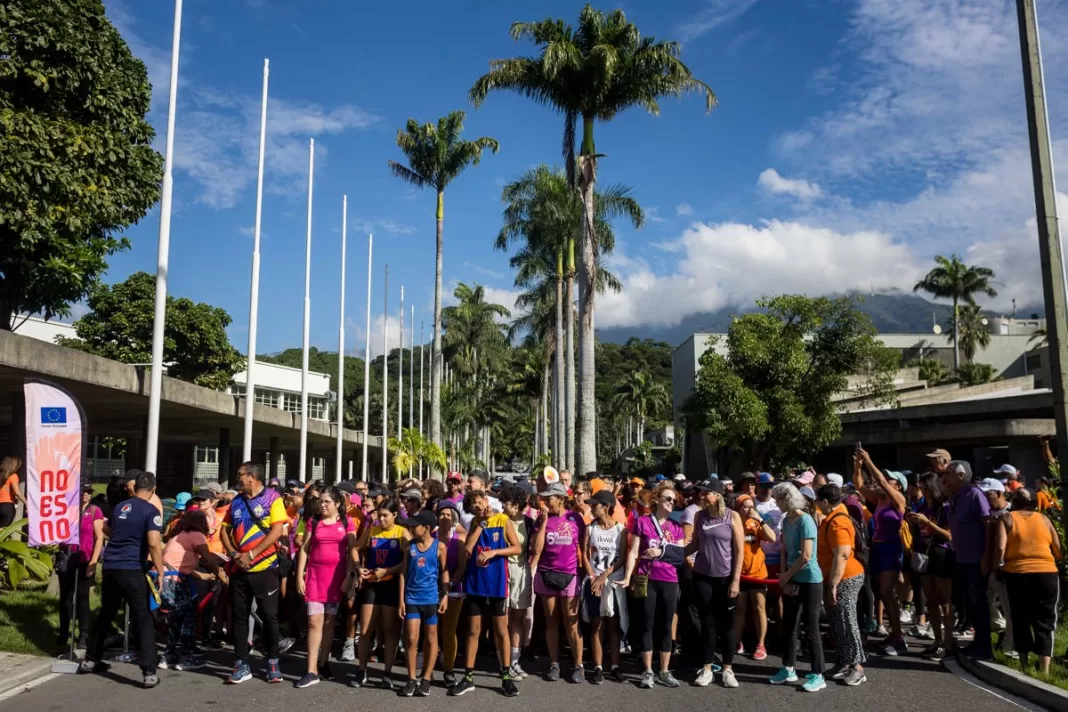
pixel 411 370
pixel 367 364
pixel 163 254
pixel 422 348
pixel 400 372
pixel 307 322
pixel 254 294
pixel 385 380
pixel 341 343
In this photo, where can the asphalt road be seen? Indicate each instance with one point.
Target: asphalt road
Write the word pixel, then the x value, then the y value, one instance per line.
pixel 903 683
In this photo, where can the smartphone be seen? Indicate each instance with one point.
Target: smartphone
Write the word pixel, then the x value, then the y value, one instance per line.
pixel 856 446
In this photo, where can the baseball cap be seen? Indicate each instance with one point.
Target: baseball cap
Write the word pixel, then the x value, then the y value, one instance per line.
pixel 422 518
pixel 87 487
pixel 1006 469
pixel 412 494
pixel 680 477
pixel 807 493
pixel 181 500
pixel 835 479
pixel 765 478
pixel 204 494
pixel 659 478
pixel 604 497
pixel 449 504
pixel 805 477
pixel 899 478
pixel 712 484
pixel 526 486
pixel 637 481
pixel 214 487
pixel 454 476
pixel 292 483
pixel 347 486
pixel 940 454
pixel 555 489
pixel 991 485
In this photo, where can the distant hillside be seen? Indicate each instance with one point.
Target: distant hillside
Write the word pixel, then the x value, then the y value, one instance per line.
pixel 895 312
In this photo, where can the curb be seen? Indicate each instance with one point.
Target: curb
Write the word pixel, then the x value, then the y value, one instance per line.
pixel 1016 683
pixel 25 674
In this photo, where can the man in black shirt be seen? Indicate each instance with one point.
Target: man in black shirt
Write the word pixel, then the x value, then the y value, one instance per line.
pixel 133 532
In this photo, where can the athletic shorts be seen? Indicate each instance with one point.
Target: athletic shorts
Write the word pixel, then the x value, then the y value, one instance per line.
pixel 428 613
pixel 520 592
pixel 381 593
pixel 485 605
pixel 751 586
pixel 315 608
pixel 942 562
pixel 885 556
pixel 542 590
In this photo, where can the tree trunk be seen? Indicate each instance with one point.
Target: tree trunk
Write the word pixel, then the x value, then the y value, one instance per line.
pixel 537 442
pixel 569 361
pixel 543 406
pixel 559 412
pixel 956 335
pixel 586 455
pixel 435 357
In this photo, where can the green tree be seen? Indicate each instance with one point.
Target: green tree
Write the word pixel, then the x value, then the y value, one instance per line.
pixel 119 326
pixel 933 371
pixel 436 156
pixel 954 280
pixel 639 394
pixel 411 449
pixel 592 73
pixel 971 330
pixel 975 374
pixel 769 397
pixel 76 159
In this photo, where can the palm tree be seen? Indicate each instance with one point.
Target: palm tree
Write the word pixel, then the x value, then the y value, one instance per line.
pixel 972 330
pixel 595 72
pixel 643 394
pixel 952 279
pixel 437 155
pixel 413 448
pixel 1039 337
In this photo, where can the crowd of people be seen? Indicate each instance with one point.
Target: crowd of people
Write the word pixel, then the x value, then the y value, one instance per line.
pixel 430 573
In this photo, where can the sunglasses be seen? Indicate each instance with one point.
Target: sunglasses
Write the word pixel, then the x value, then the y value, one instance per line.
pixel 668 499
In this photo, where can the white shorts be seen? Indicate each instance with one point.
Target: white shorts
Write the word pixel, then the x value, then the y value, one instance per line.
pixel 520 591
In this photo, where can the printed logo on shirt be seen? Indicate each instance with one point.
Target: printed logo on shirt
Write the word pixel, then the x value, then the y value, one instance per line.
pixel 125 510
pixel 392 543
pixel 157 520
pixel 421 563
pixel 558 538
pixel 258 511
pixel 496 537
pixel 479 550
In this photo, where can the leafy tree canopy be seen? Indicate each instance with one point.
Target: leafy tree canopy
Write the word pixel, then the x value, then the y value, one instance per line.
pixel 119 326
pixel 76 158
pixel 769 394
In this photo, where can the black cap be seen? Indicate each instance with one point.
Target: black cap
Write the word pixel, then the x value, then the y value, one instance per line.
pixel 423 518
pixel 525 486
pixel 604 497
pixel 204 494
pixel 710 485
pixel 347 486
pixel 87 487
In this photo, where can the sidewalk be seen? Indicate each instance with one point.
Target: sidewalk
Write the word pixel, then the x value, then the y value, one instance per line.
pixel 992 673
pixel 17 671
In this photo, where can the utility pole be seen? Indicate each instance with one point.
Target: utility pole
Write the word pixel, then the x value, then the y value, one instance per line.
pixel 1049 241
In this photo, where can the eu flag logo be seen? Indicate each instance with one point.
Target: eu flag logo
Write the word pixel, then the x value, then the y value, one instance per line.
pixel 53 416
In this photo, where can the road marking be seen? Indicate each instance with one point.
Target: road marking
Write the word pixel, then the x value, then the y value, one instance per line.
pixel 954 667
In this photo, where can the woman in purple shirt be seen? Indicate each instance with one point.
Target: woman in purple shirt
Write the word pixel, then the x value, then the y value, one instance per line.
pixel 931 537
pixel 650 535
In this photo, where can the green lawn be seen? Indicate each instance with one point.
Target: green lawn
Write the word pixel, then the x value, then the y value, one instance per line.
pixel 1058 672
pixel 29 620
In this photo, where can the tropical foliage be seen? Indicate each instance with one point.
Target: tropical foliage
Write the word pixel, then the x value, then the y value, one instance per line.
pixel 952 279
pixel 18 561
pixel 411 450
pixel 975 374
pixel 970 328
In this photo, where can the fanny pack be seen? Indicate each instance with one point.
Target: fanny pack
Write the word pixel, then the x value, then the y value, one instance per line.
pixel 555 580
pixel 639 586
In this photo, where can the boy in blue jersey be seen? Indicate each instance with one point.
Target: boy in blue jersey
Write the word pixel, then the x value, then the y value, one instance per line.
pixel 424 585
pixel 491 539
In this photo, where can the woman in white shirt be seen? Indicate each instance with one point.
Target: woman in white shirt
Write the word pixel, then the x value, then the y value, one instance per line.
pixel 604 602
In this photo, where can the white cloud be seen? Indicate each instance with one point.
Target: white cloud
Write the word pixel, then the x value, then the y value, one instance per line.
pixel 731 263
pixel 382 225
pixel 713 14
pixel 683 210
pixel 771 181
pixel 379 324
pixel 652 214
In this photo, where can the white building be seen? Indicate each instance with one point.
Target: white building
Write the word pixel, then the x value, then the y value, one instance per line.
pixel 37 328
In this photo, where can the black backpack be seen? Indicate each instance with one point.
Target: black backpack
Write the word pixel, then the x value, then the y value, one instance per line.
pixel 860 540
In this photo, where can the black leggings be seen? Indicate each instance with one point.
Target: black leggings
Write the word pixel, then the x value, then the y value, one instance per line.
pixel 717 617
pixel 70 599
pixel 1033 602
pixel 7 514
pixel 807 601
pixel 660 603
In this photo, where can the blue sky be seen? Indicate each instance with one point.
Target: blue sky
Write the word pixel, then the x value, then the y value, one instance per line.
pixel 854 140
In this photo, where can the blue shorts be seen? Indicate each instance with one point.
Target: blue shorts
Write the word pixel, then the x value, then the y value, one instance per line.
pixel 428 613
pixel 885 556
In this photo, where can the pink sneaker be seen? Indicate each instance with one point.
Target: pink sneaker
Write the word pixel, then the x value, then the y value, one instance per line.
pixel 760 653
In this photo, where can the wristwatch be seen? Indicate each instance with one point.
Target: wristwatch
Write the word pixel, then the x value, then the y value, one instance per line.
pixel 234 554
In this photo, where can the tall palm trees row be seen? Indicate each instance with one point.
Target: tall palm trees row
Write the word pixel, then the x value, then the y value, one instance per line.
pixel 591 72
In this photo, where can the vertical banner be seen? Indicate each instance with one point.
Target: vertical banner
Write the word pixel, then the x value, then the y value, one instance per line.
pixel 54 424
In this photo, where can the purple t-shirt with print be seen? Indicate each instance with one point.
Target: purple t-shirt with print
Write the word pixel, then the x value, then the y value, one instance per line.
pixel 966 512
pixel 646 530
pixel 563 537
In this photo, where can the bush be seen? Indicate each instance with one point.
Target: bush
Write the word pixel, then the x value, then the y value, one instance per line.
pixel 18 561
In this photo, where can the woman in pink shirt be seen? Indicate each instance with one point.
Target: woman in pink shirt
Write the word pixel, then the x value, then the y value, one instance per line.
pixel 326 561
pixel 78 572
pixel 183 557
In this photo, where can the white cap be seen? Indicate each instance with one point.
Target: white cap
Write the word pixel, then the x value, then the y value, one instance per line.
pixel 680 477
pixel 835 479
pixel 991 485
pixel 1006 469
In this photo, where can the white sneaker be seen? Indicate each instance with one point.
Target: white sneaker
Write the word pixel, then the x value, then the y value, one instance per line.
pixel 704 678
pixel 348 652
pixel 881 631
pixel 905 616
pixel 729 679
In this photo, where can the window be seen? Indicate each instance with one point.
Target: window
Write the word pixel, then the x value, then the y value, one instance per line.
pixel 237 389
pixel 208 455
pixel 291 402
pixel 267 397
pixel 317 408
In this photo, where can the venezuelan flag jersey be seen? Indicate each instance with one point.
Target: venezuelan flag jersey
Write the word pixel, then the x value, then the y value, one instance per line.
pixel 249 520
pixel 384 550
pixel 491 579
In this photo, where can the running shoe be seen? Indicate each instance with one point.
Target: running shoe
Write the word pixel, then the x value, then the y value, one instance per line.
pixel 761 653
pixel 164 662
pixel 517 671
pixel 274 673
pixel 598 676
pixel 704 678
pixel 784 675
pixel 881 631
pixel 554 673
pixel 935 652
pixel 901 646
pixel 648 680
pixel 922 631
pixel 358 679
pixel 450 678
pixel 617 674
pixel 508 686
pixel 308 680
pixel 348 651
pixel 741 649
pixel 889 649
pixel 424 688
pixel 387 682
pixel 241 673
pixel 728 679
pixel 666 679
pixel 813 683
pixel 285 644
pixel 326 672
pixel 94 666
pixel 150 680
pixel 465 685
pixel 855 677
pixel 905 616
pixel 1011 654
pixel 578 676
pixel 188 662
pixel 409 688
pixel 841 672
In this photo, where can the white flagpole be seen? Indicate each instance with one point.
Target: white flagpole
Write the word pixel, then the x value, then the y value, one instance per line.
pixel 367 365
pixel 400 372
pixel 254 295
pixel 422 348
pixel 163 254
pixel 385 380
pixel 341 343
pixel 411 369
pixel 307 322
